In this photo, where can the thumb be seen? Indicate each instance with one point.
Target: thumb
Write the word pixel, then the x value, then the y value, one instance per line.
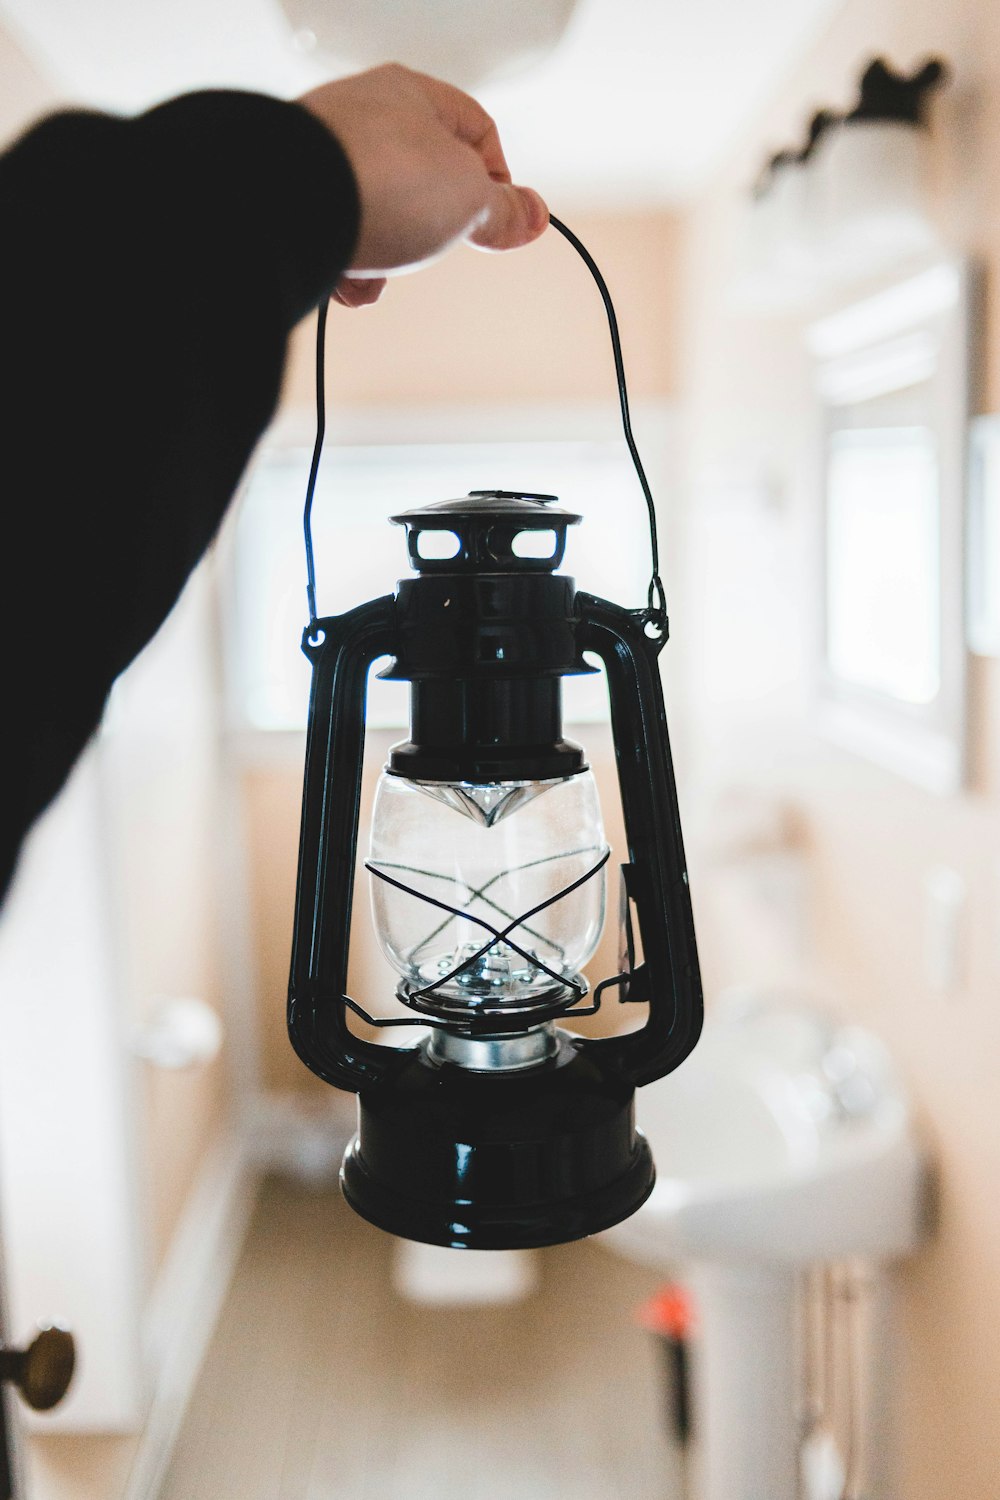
pixel 513 216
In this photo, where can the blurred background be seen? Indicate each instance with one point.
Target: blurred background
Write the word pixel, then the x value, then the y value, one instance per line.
pixel 810 326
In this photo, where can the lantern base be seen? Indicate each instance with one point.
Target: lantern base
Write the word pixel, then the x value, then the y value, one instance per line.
pixel 498 1161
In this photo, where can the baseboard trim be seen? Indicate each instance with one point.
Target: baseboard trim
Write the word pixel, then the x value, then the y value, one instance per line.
pixel 187 1298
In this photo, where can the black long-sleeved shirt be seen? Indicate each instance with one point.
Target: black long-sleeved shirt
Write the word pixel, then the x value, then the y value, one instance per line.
pixel 150 273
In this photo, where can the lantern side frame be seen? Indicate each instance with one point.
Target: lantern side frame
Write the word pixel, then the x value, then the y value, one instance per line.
pixel 656 879
pixel 342 649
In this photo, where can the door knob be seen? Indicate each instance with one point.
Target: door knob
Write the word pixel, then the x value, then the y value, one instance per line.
pixel 42 1372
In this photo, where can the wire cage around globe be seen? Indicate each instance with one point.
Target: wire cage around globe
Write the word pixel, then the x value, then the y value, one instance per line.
pixel 488 899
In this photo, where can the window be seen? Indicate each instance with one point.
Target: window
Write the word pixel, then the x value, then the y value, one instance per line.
pixel 892 373
pixel 882 598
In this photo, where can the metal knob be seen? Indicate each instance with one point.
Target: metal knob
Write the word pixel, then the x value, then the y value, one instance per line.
pixel 43 1371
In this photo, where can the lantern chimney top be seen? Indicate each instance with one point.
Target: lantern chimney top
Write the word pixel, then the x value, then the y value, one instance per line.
pixel 488 527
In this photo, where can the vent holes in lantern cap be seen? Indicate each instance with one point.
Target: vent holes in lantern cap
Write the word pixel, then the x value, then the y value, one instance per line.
pixel 537 544
pixel 437 546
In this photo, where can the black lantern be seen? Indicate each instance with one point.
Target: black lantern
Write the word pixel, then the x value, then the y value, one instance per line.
pixel 501 1129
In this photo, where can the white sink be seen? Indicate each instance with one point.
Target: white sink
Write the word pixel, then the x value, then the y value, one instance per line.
pixel 781 1139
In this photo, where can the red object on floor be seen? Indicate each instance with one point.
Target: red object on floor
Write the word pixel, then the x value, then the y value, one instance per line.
pixel 669 1312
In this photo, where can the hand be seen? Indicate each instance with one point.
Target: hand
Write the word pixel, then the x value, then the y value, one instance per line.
pixel 430 171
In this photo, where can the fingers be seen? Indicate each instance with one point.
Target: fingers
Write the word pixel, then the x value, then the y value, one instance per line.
pixel 513 216
pixel 430 171
pixel 355 291
pixel 469 122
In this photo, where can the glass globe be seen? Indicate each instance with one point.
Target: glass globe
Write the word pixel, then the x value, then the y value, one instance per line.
pixel 495 852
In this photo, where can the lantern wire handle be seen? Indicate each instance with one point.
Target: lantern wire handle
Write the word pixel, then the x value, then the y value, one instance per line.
pixel 656 598
pixel 656 603
pixel 316 454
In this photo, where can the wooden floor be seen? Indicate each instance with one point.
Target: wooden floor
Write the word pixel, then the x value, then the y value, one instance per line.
pixel 323 1384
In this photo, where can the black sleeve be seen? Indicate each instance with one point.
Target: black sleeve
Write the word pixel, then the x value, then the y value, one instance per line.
pixel 150 272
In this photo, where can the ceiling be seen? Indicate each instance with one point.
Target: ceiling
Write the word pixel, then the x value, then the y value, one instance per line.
pixel 635 106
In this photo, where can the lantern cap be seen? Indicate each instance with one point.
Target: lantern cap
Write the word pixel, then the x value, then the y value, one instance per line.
pixel 486 525
pixel 534 510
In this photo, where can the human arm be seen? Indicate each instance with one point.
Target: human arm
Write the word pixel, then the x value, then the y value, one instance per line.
pixel 150 271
